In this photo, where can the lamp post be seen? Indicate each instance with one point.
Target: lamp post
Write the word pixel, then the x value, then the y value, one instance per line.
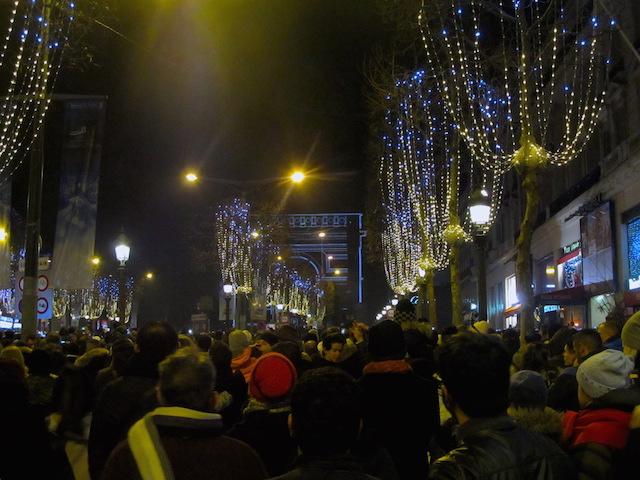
pixel 321 236
pixel 227 289
pixel 122 255
pixel 480 214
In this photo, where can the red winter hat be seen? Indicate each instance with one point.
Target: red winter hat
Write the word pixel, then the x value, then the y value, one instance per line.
pixel 272 378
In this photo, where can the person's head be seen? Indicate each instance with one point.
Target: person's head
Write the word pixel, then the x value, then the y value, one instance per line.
pixel 475 372
pixel 40 363
pixel 121 352
pixel 238 343
pixel 220 355
pixel 386 341
pixel 586 342
pixel 185 341
pixel 332 346
pixel 325 412
pixel 608 331
pixel 311 347
pixel 15 354
pixel 187 379
pixel 358 331
pixel 203 341
pixel 289 349
pixel 272 378
pixel 156 340
pixel 287 333
pixel 602 373
pixel 631 335
pixel 528 389
pixel 569 357
pixel 536 358
pixel 265 341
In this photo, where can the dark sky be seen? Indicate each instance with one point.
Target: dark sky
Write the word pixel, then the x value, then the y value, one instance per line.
pixel 242 89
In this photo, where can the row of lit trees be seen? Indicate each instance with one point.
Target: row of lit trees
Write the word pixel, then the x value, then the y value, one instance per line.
pixel 507 84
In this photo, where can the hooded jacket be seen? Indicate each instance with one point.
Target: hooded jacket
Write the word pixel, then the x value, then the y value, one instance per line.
pixel 244 363
pixel 596 437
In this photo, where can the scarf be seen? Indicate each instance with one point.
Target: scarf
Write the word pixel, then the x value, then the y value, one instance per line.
pixel 146 445
pixel 387 366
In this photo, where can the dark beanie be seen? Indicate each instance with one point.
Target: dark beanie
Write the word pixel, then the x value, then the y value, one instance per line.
pixel 386 341
pixel 528 389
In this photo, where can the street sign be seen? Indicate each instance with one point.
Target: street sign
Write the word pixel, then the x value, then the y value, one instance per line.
pixel 45 297
pixel 44 263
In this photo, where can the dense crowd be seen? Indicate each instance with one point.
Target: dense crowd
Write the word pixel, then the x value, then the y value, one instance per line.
pixel 395 401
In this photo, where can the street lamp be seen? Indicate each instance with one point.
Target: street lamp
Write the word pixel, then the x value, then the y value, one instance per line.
pixel 191 177
pixel 123 250
pixel 337 272
pixel 95 261
pixel 297 176
pixel 149 276
pixel 3 235
pixel 227 289
pixel 480 214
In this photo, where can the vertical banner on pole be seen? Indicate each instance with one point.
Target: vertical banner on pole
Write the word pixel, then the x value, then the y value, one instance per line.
pixel 5 229
pixel 78 204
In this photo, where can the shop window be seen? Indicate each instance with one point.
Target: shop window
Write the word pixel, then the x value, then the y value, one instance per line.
pixel 633 239
pixel 510 291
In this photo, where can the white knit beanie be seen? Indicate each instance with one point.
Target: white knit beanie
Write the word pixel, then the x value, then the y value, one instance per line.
pixel 604 372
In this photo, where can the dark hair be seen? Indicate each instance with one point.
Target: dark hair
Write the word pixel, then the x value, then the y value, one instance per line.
pixel 187 379
pixel 287 332
pixel 326 413
pixel 333 338
pixel 269 337
pixel 588 338
pixel 536 358
pixel 157 340
pixel 220 355
pixel 405 306
pixel 475 370
pixel 204 341
pixel 533 337
pixel 291 350
pixel 39 362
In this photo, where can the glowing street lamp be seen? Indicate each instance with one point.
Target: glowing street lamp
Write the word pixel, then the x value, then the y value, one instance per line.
pixel 4 235
pixel 95 261
pixel 191 177
pixel 480 214
pixel 149 276
pixel 297 176
pixel 337 272
pixel 322 234
pixel 122 250
pixel 227 289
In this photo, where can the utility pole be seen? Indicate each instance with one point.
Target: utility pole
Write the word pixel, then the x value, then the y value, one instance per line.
pixel 34 201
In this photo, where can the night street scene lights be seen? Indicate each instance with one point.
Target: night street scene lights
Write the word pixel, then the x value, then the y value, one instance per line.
pixel 297 176
pixel 95 261
pixel 227 290
pixel 4 235
pixel 480 215
pixel 149 276
pixel 122 251
pixel 191 177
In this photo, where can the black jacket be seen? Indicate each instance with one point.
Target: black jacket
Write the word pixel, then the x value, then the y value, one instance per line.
pixel 120 404
pixel 497 448
pixel 401 413
pixel 267 432
pixel 334 468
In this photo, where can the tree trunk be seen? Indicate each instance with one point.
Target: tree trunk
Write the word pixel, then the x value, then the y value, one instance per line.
pixel 530 184
pixel 431 298
pixel 456 303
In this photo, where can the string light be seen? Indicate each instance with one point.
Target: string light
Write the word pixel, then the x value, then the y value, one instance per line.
pixel 33 44
pixel 554 65
pixel 234 243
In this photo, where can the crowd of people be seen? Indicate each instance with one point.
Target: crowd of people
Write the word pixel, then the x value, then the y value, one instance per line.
pixel 394 401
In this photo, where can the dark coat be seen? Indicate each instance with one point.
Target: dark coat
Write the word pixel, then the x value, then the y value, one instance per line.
pixel 334 468
pixel 401 413
pixel 497 448
pixel 267 432
pixel 121 403
pixel 234 384
pixel 194 454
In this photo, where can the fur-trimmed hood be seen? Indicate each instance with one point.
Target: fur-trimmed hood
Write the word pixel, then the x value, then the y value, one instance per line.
pixel 546 422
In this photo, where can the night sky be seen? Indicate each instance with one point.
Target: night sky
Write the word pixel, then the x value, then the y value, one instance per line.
pixel 241 89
